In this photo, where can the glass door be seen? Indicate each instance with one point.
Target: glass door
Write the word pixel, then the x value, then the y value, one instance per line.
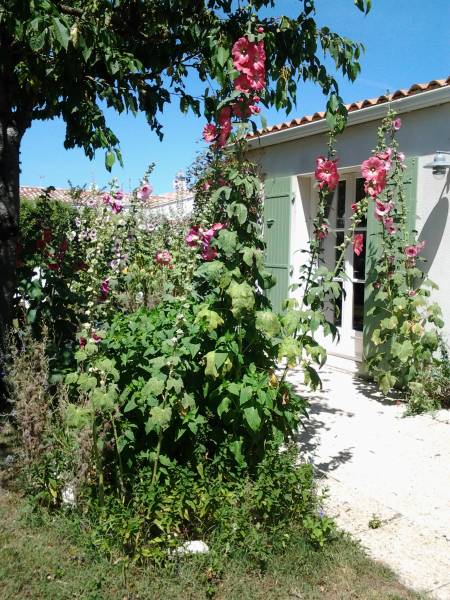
pixel 348 314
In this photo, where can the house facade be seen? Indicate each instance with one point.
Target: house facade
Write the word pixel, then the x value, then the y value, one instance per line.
pixel 287 154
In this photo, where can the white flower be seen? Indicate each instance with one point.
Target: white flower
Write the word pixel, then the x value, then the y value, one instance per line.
pixel 193 547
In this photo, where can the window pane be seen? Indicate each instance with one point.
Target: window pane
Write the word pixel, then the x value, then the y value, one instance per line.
pixel 360 194
pixel 340 214
pixel 358 306
pixel 359 262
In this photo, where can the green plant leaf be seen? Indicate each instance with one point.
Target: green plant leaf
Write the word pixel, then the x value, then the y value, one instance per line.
pixel 252 417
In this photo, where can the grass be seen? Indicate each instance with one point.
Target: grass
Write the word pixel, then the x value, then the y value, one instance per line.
pixel 43 556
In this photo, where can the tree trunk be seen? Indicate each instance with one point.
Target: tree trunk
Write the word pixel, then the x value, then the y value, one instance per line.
pixel 10 137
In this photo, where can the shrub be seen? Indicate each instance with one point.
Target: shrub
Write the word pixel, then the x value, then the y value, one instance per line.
pixel 432 392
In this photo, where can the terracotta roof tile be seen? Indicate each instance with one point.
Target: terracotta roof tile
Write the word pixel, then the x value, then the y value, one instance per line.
pixel 416 88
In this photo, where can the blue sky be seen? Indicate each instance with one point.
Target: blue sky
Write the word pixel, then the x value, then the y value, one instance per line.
pixel 406 42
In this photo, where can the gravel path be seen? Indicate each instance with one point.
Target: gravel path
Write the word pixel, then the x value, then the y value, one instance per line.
pixel 375 462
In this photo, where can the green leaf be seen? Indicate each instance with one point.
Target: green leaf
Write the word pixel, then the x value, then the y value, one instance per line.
pixel 252 417
pixel 242 297
pixel 110 159
pixel 223 406
pixel 154 386
pixel 387 382
pixel 159 418
pixel 210 369
pixel 403 351
pixel 222 55
pixel 227 242
pixel 267 322
pixel 130 406
pixel 209 319
pixel 61 32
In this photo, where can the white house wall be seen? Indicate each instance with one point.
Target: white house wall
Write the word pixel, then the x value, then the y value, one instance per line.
pixel 423 132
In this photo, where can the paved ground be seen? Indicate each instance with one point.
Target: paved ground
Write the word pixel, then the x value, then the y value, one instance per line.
pixel 376 462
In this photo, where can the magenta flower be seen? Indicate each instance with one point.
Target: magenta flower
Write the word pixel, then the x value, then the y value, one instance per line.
pixel 389 226
pixel 410 251
pixel 82 341
pixel 358 243
pixel 104 288
pixel 383 208
pixel 210 132
pixel 326 173
pixel 107 199
pixel 144 191
pixel 116 207
pixel 396 124
pixel 96 338
pixel 208 252
pixel 257 80
pixel 163 257
pixel 242 83
pixel 119 196
pixel 386 157
pixel 194 236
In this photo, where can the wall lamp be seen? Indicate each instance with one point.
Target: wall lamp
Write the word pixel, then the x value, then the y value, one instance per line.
pixel 440 164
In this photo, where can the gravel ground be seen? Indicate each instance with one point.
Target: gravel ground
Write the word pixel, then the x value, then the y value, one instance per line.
pixel 377 463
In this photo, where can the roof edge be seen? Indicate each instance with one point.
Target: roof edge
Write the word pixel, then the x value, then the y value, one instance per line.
pixel 371 113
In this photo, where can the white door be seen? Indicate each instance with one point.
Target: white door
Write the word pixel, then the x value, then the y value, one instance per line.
pixel 349 313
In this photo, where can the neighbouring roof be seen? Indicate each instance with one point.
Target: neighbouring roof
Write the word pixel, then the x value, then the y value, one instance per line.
pixel 83 197
pixel 416 88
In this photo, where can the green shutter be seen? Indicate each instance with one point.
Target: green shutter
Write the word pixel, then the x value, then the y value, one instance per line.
pixel 277 229
pixel 373 249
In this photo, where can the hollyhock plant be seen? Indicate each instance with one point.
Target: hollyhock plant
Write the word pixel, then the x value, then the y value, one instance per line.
pixel 326 173
pixel 240 53
pixel 116 207
pixel 242 83
pixel 104 288
pixel 163 257
pixel 375 185
pixel 210 133
pixel 194 236
pixel 144 191
pixel 372 167
pixel 119 196
pixel 389 226
pixel 208 252
pixel 322 232
pixel 358 243
pixel 382 208
pixel 396 123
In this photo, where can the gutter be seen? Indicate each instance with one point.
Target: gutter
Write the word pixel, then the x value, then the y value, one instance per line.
pixel 362 115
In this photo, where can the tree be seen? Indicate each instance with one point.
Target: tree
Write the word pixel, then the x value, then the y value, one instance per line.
pixel 72 59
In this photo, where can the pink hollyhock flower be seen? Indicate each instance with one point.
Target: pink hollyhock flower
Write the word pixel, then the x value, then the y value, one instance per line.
pixel 82 341
pixel 224 116
pixel 257 80
pixel 326 173
pixel 206 186
pixel 411 251
pixel 96 338
pixel 260 29
pixel 210 132
pixel 47 235
pixel 383 208
pixel 386 156
pixel 257 60
pixel 400 156
pixel 145 191
pixel 354 207
pixel 107 199
pixel 163 257
pixel 322 232
pixel 194 236
pixel 396 124
pixel 420 245
pixel 104 287
pixel 412 293
pixel 224 135
pixel 374 186
pixel 255 110
pixel 218 227
pixel 358 243
pixel 388 223
pixel 240 109
pixel 119 196
pixel 116 207
pixel 208 253
pixel 242 83
pixel 240 53
pixel 256 99
pixel 371 168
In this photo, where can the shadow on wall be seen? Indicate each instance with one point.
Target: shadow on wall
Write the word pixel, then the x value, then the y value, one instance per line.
pixel 434 227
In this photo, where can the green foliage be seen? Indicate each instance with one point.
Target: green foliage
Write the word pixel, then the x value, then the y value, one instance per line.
pixel 432 392
pixel 103 54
